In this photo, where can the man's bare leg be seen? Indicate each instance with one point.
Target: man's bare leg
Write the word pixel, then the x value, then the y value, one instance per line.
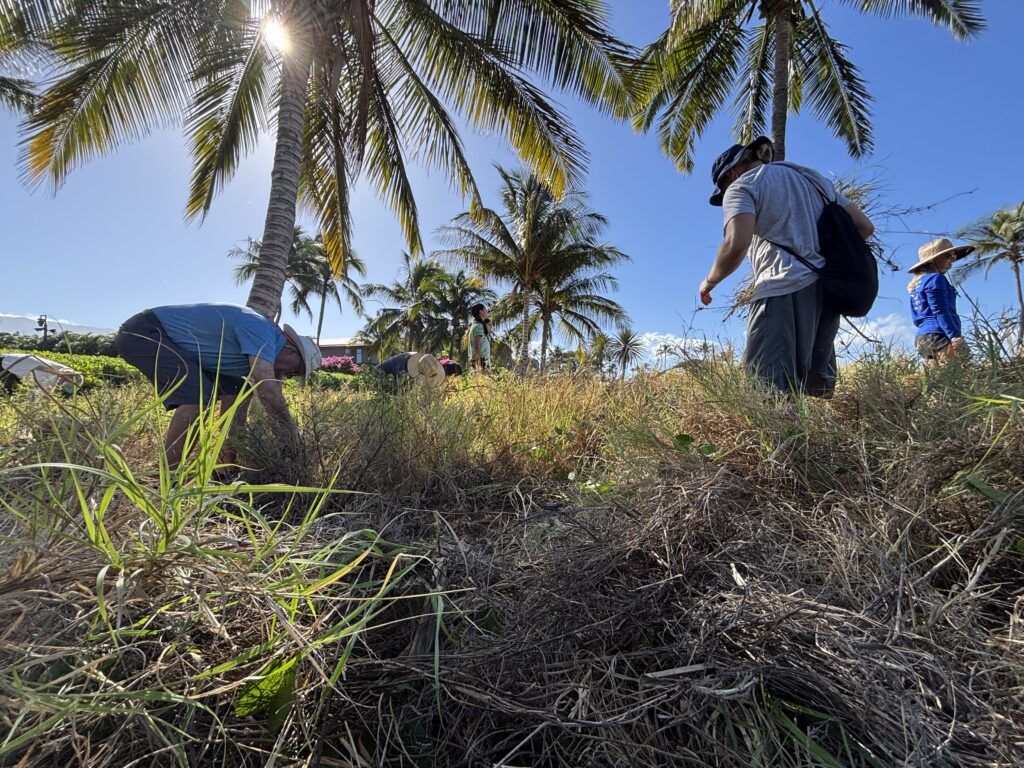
pixel 174 440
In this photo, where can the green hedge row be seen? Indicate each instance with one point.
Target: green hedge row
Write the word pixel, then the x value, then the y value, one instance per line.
pixel 96 370
pixel 70 343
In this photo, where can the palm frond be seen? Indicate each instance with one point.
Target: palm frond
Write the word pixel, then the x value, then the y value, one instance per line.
pixel 837 91
pixel 962 17
pixel 227 115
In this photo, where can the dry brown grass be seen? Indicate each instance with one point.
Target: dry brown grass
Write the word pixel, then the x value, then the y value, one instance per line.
pixel 671 571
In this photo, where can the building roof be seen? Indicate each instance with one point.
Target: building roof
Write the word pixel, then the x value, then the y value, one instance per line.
pixel 344 341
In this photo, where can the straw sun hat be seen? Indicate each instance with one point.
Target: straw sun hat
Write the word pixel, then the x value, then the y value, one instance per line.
pixel 425 369
pixel 929 252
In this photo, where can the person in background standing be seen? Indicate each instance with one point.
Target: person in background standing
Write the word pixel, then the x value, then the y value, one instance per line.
pixel 480 339
pixel 933 302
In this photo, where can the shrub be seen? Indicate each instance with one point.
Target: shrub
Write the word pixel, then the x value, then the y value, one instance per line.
pixel 332 381
pixel 340 364
pixel 96 370
pixel 70 343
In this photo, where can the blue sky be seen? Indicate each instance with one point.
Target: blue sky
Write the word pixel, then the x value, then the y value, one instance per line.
pixel 948 120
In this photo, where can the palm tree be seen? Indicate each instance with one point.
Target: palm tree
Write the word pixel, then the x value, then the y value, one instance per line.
pixel 999 238
pixel 531 237
pixel 715 47
pixel 321 280
pixel 626 348
pixel 297 270
pixel 408 316
pixel 569 300
pixel 351 88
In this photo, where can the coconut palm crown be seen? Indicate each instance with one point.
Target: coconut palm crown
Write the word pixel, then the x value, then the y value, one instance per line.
pixel 998 239
pixel 772 55
pixel 534 235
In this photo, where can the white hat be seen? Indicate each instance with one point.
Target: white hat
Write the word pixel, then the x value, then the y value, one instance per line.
pixel 310 352
pixel 426 369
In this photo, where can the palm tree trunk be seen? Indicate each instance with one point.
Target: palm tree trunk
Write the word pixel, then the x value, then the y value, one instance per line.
pixel 453 351
pixel 783 20
pixel 622 374
pixel 278 229
pixel 524 348
pixel 320 322
pixel 1020 306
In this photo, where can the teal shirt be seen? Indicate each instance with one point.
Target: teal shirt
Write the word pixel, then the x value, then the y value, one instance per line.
pixel 485 344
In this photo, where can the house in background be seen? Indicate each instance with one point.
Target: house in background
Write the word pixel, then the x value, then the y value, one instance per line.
pixel 356 348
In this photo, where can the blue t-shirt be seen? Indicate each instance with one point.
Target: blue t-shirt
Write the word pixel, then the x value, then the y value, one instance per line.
pixel 933 306
pixel 225 332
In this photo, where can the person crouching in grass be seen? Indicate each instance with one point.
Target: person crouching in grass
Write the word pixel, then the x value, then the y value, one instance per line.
pixel 198 353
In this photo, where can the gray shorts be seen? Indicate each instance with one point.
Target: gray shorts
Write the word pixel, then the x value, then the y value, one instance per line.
pixel 928 345
pixel 791 342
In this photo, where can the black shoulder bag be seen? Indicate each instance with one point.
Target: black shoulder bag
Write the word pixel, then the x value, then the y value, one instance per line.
pixel 849 278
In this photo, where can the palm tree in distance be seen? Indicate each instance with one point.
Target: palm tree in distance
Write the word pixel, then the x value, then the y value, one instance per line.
pixel 772 63
pixel 570 301
pixel 321 280
pixel 350 89
pixel 296 272
pixel 309 273
pixel 407 317
pixel 533 235
pixel 998 239
pixel 626 348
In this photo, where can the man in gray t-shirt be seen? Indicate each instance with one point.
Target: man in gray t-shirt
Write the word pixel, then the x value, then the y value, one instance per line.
pixel 790 334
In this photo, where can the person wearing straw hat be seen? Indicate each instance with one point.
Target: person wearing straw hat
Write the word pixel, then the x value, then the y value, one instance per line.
pixel 417 367
pixel 197 353
pixel 771 212
pixel 933 301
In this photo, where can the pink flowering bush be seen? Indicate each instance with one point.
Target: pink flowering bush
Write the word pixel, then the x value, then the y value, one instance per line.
pixel 340 364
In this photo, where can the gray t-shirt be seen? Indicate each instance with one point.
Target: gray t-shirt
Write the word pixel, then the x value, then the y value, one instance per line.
pixel 786 207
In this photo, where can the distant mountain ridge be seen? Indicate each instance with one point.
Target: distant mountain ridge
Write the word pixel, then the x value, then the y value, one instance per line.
pixel 26 326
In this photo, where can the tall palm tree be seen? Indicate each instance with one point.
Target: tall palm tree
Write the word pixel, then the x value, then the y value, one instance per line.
pixel 713 48
pixel 408 315
pixel 627 348
pixel 999 239
pixel 518 246
pixel 321 280
pixel 571 302
pixel 352 87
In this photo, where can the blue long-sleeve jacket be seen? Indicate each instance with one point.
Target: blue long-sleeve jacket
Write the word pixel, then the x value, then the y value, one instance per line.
pixel 933 306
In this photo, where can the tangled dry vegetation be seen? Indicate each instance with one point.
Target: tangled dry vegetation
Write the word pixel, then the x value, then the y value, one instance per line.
pixel 671 571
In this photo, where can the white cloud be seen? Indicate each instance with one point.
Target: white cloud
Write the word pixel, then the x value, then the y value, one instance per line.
pixel 892 329
pixel 667 348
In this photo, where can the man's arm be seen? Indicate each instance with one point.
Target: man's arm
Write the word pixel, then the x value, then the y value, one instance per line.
pixel 738 234
pixel 269 391
pixel 860 220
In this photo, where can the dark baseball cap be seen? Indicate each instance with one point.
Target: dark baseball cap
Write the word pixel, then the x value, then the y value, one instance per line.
pixel 728 160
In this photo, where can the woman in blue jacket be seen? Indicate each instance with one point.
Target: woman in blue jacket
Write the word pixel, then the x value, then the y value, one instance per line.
pixel 933 301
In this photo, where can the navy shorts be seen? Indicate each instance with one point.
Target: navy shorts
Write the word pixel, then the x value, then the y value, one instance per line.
pixel 144 343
